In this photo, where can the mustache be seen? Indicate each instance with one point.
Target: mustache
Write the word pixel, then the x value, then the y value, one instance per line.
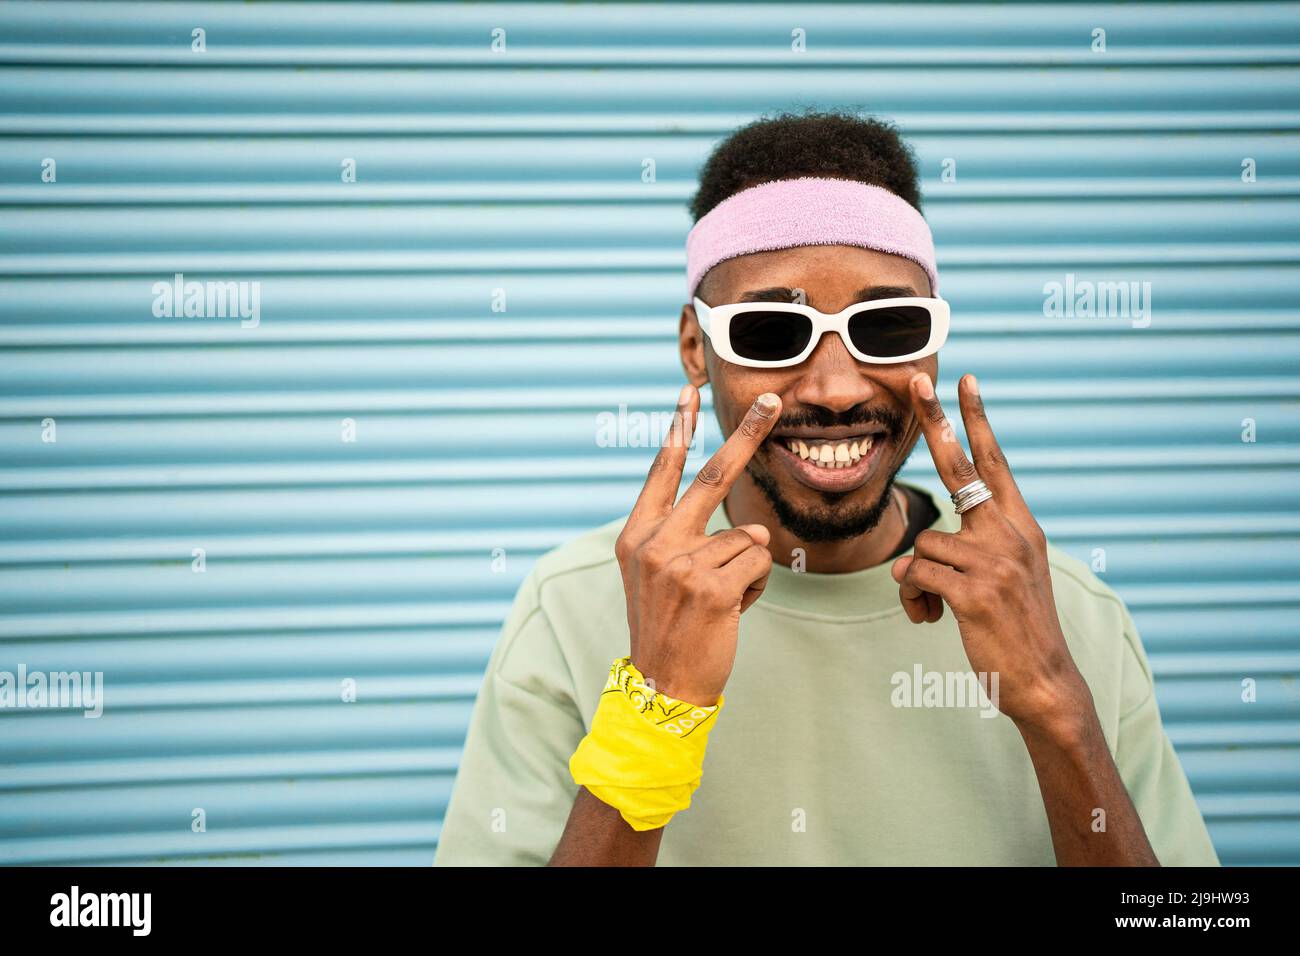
pixel 816 417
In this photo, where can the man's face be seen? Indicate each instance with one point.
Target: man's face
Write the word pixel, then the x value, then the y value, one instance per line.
pixel 856 409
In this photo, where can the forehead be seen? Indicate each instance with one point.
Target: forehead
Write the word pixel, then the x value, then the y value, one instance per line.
pixel 830 276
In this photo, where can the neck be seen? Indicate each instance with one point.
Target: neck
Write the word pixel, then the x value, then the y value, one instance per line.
pixel 746 504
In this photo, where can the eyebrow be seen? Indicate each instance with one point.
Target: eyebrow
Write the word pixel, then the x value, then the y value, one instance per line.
pixel 782 294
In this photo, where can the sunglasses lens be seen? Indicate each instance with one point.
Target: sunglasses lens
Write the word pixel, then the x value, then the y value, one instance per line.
pixel 769 336
pixel 889 333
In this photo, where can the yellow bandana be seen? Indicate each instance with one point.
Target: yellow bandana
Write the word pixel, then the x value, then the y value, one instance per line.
pixel 645 752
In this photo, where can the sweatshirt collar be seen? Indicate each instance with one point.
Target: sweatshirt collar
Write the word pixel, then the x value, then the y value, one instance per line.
pixel 869 592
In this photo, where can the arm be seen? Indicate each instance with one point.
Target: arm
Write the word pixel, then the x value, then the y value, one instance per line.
pixel 994 574
pixel 685 592
pixel 597 835
pixel 1092 819
pixel 513 789
pixel 1151 817
pixel 1150 768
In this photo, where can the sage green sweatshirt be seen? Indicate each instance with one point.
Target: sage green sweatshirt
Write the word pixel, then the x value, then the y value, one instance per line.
pixel 816 757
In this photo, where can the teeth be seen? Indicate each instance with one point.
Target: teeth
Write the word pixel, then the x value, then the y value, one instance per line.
pixel 830 454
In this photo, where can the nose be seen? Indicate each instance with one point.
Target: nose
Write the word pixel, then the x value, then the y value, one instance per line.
pixel 832 378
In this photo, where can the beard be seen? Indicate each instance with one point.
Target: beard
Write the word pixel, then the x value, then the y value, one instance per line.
pixel 832 520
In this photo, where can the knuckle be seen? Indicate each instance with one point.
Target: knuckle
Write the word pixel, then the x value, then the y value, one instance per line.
pixel 964 469
pixel 629 543
pixel 710 475
pixel 1006 571
pixel 915 572
pixel 926 540
pixel 995 458
pixel 752 426
pixel 680 567
pixel 660 461
pixel 651 557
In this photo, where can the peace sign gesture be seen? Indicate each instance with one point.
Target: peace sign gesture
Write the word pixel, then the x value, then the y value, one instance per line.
pixel 993 573
pixel 686 589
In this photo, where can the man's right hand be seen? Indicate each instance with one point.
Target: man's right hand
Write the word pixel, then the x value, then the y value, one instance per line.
pixel 686 589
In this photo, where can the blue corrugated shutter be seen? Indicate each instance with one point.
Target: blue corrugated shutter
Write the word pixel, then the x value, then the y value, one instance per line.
pixel 521 170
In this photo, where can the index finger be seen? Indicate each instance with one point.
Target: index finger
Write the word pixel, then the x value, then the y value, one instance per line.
pixel 720 472
pixel 660 490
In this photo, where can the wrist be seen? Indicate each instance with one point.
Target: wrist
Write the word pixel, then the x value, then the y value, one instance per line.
pixel 644 754
pixel 687 693
pixel 1065 716
pixel 663 681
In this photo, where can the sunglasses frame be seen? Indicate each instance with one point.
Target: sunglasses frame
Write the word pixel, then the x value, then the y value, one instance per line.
pixel 715 320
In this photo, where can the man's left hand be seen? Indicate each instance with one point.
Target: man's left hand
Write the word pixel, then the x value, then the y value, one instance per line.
pixel 993 573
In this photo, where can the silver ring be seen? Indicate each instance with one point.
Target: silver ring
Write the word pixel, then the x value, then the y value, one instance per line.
pixel 967 497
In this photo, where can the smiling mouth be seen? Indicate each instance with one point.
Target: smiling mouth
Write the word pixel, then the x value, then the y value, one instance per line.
pixel 829 464
pixel 825 453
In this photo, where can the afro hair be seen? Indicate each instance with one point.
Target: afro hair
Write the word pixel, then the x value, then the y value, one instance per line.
pixel 837 144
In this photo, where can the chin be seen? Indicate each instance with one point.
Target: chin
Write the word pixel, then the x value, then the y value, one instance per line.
pixel 826 515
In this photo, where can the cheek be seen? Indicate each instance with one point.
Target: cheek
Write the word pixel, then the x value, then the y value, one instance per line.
pixel 899 385
pixel 735 388
pixel 899 379
pixel 899 375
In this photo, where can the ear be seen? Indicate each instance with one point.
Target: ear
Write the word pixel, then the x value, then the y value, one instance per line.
pixel 690 342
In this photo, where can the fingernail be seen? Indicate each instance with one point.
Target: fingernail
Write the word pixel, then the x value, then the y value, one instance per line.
pixel 924 387
pixel 973 385
pixel 685 396
pixel 767 402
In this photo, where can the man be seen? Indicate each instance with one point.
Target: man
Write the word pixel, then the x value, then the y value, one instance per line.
pixel 797 574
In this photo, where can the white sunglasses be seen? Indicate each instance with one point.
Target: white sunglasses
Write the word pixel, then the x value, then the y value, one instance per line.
pixel 779 334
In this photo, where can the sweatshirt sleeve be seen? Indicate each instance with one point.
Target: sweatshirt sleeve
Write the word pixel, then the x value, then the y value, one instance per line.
pixel 513 791
pixel 1151 770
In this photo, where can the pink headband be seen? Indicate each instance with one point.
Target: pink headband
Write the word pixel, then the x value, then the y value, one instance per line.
pixel 808 211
